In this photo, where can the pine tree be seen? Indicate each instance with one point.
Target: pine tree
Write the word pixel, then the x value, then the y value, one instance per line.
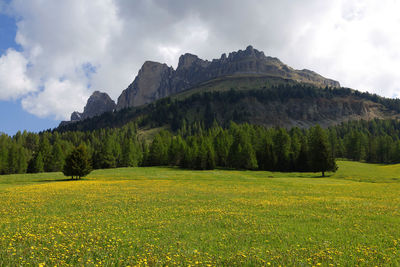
pixel 303 162
pixel 265 155
pixel 320 156
pixel 130 156
pixel 22 162
pixel 242 154
pixel 13 158
pixel 45 149
pixel 4 144
pixel 158 151
pixel 77 163
pixel 36 164
pixel 282 149
pixel 176 151
pixel 222 144
pixel 210 158
pixel 105 158
pixel 57 158
pixel 249 157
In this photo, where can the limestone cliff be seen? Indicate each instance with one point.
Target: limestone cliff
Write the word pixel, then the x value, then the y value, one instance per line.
pixel 156 80
pixel 97 104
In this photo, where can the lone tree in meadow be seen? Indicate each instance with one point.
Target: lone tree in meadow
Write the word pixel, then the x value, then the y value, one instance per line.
pixel 321 159
pixel 77 163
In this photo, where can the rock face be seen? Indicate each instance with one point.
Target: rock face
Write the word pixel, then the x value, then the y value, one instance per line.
pixel 97 104
pixel 156 80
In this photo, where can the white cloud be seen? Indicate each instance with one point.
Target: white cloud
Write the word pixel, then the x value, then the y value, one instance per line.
pixel 14 81
pixel 56 99
pixel 353 41
pixel 60 39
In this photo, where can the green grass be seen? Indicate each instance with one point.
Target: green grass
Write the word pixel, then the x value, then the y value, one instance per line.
pixel 166 216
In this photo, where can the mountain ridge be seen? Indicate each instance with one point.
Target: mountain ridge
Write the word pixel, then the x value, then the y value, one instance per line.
pixel 156 80
pixel 245 86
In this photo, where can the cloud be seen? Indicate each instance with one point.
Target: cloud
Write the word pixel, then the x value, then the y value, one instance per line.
pixel 79 46
pixel 14 81
pixel 55 99
pixel 60 40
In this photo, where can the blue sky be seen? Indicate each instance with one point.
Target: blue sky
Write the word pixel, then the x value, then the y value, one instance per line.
pixel 13 117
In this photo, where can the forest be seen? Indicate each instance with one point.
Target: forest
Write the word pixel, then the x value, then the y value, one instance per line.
pixel 215 105
pixel 195 146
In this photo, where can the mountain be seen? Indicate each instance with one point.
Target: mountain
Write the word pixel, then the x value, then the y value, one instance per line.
pixel 244 87
pixel 286 105
pixel 156 80
pixel 97 104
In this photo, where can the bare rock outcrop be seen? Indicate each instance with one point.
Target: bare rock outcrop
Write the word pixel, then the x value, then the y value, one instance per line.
pixel 156 80
pixel 97 104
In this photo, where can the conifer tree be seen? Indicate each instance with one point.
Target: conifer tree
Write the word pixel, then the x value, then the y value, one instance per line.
pixel 176 151
pixel 242 154
pixel 13 158
pixel 282 149
pixel 45 149
pixel 222 145
pixel 158 154
pixel 57 158
pixel 77 163
pixel 321 158
pixel 303 162
pixel 105 157
pixel 130 155
pixel 36 164
pixel 4 143
pixel 265 155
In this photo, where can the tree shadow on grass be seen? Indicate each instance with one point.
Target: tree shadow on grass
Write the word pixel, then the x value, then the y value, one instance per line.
pixel 57 180
pixel 300 175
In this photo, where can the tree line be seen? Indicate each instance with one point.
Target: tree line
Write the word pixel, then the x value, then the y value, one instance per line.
pixel 195 146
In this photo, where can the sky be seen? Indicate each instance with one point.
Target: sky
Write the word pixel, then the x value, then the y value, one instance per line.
pixel 54 54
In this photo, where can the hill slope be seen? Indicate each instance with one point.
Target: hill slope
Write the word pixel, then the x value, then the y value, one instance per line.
pixel 283 105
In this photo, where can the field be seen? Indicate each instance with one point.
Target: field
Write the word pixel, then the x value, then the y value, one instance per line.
pixel 167 216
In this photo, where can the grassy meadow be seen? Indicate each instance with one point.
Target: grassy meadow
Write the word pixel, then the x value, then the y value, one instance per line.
pixel 168 216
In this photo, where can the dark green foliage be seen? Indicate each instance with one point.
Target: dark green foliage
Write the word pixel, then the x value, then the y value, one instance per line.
pixel 56 162
pixel 45 149
pixel 5 141
pixel 222 144
pixel 77 163
pixel 207 107
pixel 194 146
pixel 17 159
pixel 158 154
pixel 321 159
pixel 176 151
pixel 130 154
pixel 36 164
pixel 242 154
pixel 303 161
pixel 105 158
pixel 282 147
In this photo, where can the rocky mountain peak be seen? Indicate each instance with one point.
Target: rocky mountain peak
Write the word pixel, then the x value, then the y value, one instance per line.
pixel 156 80
pixel 187 60
pixel 151 77
pixel 97 104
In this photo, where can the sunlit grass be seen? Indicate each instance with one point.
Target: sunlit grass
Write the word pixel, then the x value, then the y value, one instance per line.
pixel 168 216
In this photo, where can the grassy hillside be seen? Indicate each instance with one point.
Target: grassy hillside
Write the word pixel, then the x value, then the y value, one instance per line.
pixel 167 216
